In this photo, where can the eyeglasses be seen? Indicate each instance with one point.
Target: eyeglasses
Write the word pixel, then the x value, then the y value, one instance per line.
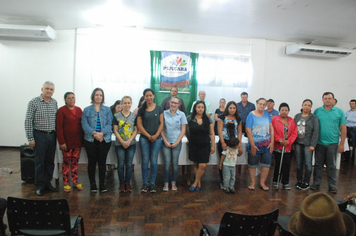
pixel 175 103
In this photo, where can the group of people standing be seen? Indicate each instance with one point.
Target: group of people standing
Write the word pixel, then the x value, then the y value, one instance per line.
pixel 165 128
pixel 92 128
pixel 323 132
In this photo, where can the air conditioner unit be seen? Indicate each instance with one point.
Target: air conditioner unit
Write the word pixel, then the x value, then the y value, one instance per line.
pixel 27 32
pixel 317 51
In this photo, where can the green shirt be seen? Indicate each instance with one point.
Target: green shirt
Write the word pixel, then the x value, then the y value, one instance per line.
pixel 330 122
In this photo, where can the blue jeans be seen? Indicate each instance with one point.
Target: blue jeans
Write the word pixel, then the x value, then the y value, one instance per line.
pixel 44 158
pixel 149 153
pixel 328 153
pixel 229 173
pixel 171 155
pixel 124 159
pixel 304 157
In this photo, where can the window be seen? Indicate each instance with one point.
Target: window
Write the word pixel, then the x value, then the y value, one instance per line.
pixel 224 70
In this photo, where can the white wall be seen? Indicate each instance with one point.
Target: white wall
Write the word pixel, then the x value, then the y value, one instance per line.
pixel 293 79
pixel 124 55
pixel 24 66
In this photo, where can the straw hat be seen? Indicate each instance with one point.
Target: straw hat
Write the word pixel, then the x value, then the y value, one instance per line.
pixel 320 215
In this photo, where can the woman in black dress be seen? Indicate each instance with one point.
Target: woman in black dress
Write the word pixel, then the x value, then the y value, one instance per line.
pixel 201 141
pixel 218 112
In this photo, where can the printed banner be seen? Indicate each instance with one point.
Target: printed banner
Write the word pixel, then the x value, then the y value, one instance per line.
pixel 175 70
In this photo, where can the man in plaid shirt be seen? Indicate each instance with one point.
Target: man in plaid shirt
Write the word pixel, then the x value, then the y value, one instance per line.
pixel 40 127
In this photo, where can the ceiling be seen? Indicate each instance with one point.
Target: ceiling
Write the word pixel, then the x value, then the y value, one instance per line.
pixel 320 22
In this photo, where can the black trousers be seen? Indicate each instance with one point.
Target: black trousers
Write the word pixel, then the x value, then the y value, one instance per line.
pixel 285 166
pixel 97 153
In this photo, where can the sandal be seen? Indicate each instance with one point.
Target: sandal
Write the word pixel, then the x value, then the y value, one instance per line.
pixel 66 188
pixel 264 188
pixel 78 186
pixel 251 187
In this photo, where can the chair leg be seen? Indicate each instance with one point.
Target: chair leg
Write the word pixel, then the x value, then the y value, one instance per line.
pixel 189 170
pixel 203 231
pixel 2 228
pixel 82 226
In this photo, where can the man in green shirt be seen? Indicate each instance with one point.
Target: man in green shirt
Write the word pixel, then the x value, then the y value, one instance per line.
pixel 332 121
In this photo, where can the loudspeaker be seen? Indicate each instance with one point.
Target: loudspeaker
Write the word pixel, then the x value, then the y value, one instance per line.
pixel 27 160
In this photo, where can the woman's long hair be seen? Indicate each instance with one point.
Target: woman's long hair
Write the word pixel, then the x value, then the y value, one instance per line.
pixel 206 120
pixel 140 102
pixel 226 112
pixel 230 127
pixel 144 105
pixel 112 108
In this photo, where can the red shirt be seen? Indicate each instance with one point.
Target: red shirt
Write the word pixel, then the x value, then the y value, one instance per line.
pixel 278 128
pixel 69 127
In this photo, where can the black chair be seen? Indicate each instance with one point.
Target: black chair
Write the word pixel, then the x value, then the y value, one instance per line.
pixel 3 205
pixel 342 205
pixel 239 224
pixel 42 217
pixel 283 221
pixel 282 225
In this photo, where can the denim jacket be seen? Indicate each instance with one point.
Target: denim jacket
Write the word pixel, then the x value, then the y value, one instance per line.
pixel 89 122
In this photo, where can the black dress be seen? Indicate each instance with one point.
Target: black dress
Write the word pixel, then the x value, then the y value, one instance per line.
pixel 199 141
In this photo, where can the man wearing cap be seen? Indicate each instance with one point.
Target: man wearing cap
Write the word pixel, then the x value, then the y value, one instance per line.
pixel 351 125
pixel 207 104
pixel 331 120
pixel 270 108
pixel 244 107
pixel 40 127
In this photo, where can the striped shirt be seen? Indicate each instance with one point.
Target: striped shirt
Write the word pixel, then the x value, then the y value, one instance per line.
pixel 41 116
pixel 98 125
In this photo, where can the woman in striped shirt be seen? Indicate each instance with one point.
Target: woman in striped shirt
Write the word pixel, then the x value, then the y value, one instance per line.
pixel 97 125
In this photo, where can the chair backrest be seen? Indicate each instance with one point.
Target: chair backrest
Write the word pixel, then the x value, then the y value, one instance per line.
pixel 28 216
pixel 239 224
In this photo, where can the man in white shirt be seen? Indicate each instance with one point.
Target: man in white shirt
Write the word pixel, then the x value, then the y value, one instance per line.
pixel 40 127
pixel 351 126
pixel 202 95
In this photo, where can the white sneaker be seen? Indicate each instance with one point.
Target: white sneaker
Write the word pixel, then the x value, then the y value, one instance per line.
pixel 165 188
pixel 174 187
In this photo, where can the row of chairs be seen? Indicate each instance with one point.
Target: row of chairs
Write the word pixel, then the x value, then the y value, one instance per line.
pixel 52 217
pixel 246 225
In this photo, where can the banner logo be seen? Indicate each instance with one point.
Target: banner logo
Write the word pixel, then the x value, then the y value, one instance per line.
pixel 175 70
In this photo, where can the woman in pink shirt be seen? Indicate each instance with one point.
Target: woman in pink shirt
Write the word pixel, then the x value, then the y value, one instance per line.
pixel 285 133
